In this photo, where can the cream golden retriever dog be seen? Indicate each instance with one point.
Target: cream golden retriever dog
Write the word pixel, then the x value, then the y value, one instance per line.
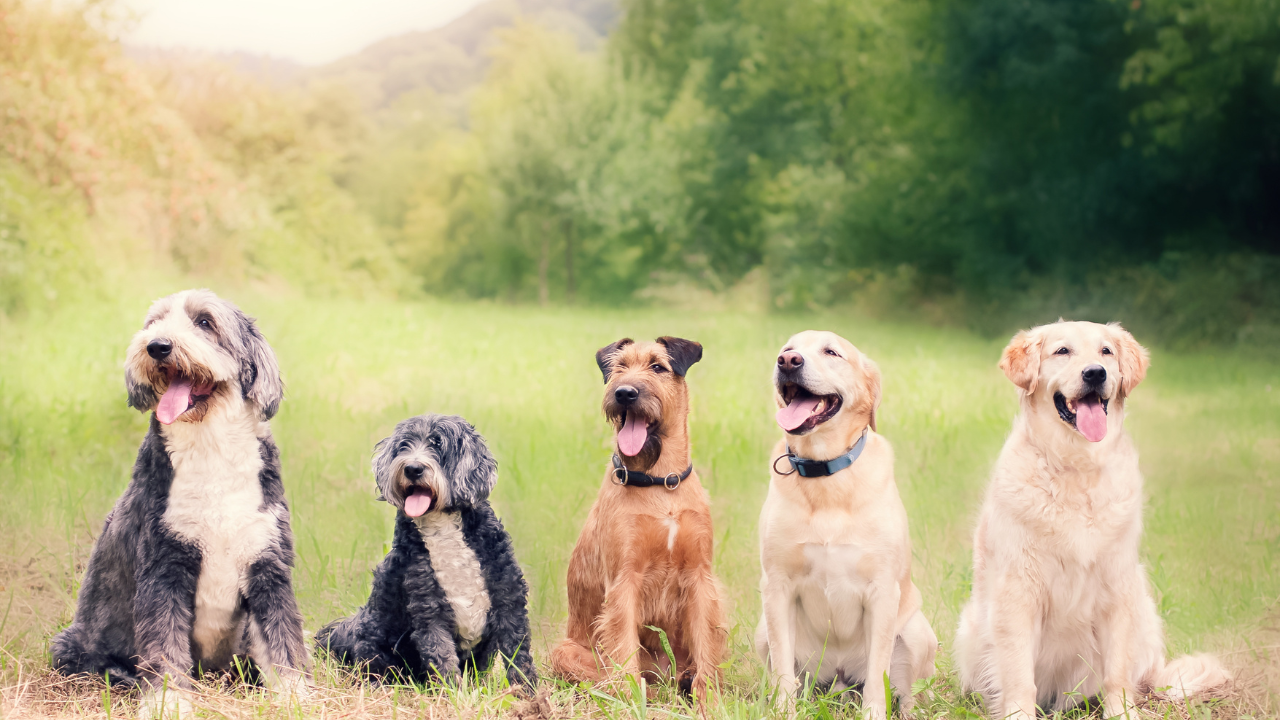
pixel 1061 610
pixel 839 604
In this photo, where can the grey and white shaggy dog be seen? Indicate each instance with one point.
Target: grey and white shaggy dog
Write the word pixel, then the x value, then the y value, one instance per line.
pixel 193 567
pixel 450 595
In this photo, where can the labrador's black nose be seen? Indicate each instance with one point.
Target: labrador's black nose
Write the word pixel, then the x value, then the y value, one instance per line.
pixel 1094 375
pixel 625 395
pixel 159 348
pixel 790 360
pixel 413 471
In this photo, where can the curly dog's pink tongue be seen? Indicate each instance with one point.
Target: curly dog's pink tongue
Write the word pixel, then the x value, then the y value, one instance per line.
pixel 1091 419
pixel 417 503
pixel 632 435
pixel 796 412
pixel 175 401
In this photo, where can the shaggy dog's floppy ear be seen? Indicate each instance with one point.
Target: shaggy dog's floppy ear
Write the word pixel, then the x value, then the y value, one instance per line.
pixel 383 455
pixel 474 471
pixel 1021 360
pixel 1133 358
pixel 683 353
pixel 259 374
pixel 871 375
pixel 604 356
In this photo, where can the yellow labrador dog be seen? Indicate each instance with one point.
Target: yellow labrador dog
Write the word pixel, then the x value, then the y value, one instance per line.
pixel 1060 608
pixel 839 604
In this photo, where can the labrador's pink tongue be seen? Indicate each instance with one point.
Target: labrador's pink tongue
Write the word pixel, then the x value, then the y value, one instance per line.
pixel 632 435
pixel 1091 419
pixel 417 503
pixel 174 402
pixel 793 415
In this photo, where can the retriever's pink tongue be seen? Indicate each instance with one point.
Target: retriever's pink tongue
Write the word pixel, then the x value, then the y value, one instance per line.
pixel 1091 419
pixel 174 402
pixel 794 414
pixel 417 503
pixel 632 435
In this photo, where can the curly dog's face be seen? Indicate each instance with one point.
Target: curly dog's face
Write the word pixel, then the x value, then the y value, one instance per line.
pixel 645 394
pixel 196 351
pixel 1075 370
pixel 434 463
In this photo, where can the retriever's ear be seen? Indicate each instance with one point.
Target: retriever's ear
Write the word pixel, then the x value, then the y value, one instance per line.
pixel 1021 359
pixel 259 373
pixel 871 377
pixel 682 353
pixel 1133 358
pixel 604 356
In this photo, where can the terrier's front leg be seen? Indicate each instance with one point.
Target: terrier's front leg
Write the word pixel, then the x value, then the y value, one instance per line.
pixel 619 634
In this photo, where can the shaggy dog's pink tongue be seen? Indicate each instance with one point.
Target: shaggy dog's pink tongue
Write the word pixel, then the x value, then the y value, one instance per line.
pixel 418 502
pixel 632 435
pixel 175 401
pixel 1091 419
pixel 796 412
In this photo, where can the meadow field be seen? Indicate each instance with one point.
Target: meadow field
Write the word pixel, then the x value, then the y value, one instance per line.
pixel 1207 425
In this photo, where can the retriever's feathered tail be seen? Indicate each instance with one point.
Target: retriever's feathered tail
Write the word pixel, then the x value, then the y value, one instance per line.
pixel 1190 675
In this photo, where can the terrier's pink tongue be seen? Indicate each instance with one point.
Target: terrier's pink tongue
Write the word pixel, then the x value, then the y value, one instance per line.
pixel 174 402
pixel 1091 419
pixel 417 503
pixel 794 414
pixel 632 435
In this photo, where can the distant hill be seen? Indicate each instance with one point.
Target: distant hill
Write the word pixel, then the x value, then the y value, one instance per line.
pixel 451 59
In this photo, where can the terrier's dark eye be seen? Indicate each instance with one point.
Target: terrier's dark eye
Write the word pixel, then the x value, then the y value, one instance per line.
pixel 831 352
pixel 1062 351
pixel 1106 351
pixel 657 368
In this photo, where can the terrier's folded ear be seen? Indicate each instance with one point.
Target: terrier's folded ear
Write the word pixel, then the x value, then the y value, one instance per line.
pixel 606 354
pixel 683 353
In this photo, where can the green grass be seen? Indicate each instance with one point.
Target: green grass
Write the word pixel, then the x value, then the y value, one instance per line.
pixel 1208 428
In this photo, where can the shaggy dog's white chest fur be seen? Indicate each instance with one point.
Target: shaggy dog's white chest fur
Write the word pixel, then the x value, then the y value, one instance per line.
pixel 215 503
pixel 458 572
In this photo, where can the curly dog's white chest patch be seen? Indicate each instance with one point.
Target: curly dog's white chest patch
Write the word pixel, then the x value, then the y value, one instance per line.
pixel 458 572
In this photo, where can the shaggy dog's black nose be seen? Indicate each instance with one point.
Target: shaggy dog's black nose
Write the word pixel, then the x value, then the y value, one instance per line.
pixel 1094 375
pixel 414 471
pixel 159 348
pixel 625 395
pixel 790 360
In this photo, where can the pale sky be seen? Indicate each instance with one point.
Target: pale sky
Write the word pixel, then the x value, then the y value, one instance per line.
pixel 306 31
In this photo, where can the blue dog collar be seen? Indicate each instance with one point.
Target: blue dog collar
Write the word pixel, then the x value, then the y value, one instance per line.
pixel 823 468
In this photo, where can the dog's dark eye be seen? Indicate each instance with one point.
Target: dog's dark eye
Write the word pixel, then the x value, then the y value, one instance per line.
pixel 831 352
pixel 1062 351
pixel 657 368
pixel 1106 351
pixel 434 441
pixel 204 322
pixel 402 448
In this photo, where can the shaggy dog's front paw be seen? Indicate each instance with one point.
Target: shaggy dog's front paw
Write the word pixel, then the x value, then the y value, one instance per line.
pixel 166 704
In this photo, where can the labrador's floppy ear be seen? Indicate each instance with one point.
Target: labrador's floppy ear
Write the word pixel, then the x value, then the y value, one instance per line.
pixel 871 377
pixel 1133 358
pixel 1021 359
pixel 682 353
pixel 604 356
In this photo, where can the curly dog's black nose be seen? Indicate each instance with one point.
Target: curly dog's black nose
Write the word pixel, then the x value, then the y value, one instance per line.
pixel 1094 375
pixel 625 395
pixel 414 471
pixel 159 348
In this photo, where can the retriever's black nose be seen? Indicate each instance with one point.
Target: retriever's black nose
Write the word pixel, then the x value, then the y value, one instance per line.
pixel 625 395
pixel 790 360
pixel 413 471
pixel 1094 375
pixel 159 348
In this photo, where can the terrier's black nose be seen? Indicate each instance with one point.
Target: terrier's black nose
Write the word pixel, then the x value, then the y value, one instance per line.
pixel 159 348
pixel 625 395
pixel 790 360
pixel 1094 375
pixel 413 471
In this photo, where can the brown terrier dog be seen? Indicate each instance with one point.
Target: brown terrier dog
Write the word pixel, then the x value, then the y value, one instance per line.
pixel 644 556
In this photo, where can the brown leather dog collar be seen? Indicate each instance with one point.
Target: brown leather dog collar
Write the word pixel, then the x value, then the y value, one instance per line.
pixel 631 478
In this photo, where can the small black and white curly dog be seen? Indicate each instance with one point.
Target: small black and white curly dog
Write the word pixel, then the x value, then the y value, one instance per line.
pixel 194 564
pixel 450 595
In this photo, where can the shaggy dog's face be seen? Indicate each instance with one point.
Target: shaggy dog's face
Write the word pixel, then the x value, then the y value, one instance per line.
pixel 1076 370
pixel 434 463
pixel 195 351
pixel 820 377
pixel 645 395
